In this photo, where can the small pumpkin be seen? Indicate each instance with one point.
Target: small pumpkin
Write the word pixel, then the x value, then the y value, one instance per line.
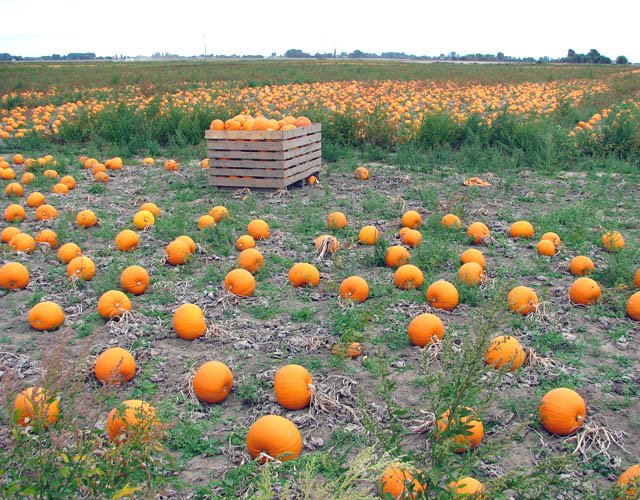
pixel 585 291
pixel 361 173
pixel 403 231
pixel 8 233
pixel 304 274
pixel 443 295
pixel 522 300
pixel 467 487
pixel 258 229
pixel 134 279
pixel 13 276
pixel 553 238
pixel 46 316
pixel 113 303
pixel 101 177
pixel 177 252
pixel 81 267
pixel 330 242
pixel 22 242
pixel 60 188
pixel 636 279
pixel 151 207
pixel 412 238
pixel 336 220
pixel 503 350
pixel 293 387
pixel 408 277
pixel 479 233
pixel 474 427
pixel 369 235
pixel 633 306
pixel 425 328
pixel 68 181
pixel 127 240
pixel 47 237
pixel 546 248
pixel 171 165
pixel 581 265
pixel 275 437
pixel 251 260
pixel 205 221
pixel 521 229
pixel 189 241
pixel 451 221
pixel 212 382
pixel 400 484
pixel 27 178
pixel 33 404
pixel 471 273
pixel 13 189
pixel 355 288
pixel 218 213
pixel 613 241
pixel 148 161
pixel 562 411
pixel 411 219
pixel 115 365
pixel 14 213
pixel 68 252
pixel 46 212
pixel 347 349
pixel 132 418
pixel 630 480
pixel 396 256
pixel 50 174
pixel 244 242
pixel 240 282
pixel 188 321
pixel 143 218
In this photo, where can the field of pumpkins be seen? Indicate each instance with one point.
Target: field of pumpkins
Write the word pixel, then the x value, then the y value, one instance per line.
pixel 374 333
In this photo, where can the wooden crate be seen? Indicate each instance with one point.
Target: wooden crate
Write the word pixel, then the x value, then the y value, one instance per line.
pixel 271 159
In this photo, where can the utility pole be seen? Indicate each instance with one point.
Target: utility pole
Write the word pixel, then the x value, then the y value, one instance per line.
pixel 205 46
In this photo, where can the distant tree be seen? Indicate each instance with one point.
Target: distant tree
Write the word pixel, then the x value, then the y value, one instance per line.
pixel 357 54
pixel 622 60
pixel 500 56
pixel 571 53
pixel 296 53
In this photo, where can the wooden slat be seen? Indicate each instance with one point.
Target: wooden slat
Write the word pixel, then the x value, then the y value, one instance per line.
pixel 215 154
pixel 301 141
pixel 252 172
pixel 239 182
pixel 244 145
pixel 274 164
pixel 312 169
pixel 297 132
pixel 263 134
pixel 316 146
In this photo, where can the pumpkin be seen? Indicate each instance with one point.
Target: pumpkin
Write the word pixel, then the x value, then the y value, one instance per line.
pixel 46 316
pixel 218 213
pixel 553 238
pixel 412 238
pixel 47 237
pixel 471 273
pixel 13 189
pixel 361 173
pixel 8 233
pixel 303 274
pixel 81 267
pixel 633 306
pixel 408 277
pixel 258 229
pixel 425 328
pixel 171 165
pixel 46 212
pixel 369 235
pixel 27 178
pixel 68 252
pixel 347 350
pixel 177 252
pixel 474 427
pixel 60 188
pixel 240 282
pixel 101 177
pixel 636 279
pixel 189 241
pixel 134 279
pixel 13 275
pixel 212 382
pixel 411 219
pixel 546 248
pixel 22 242
pixel 451 221
pixel 115 365
pixel 113 303
pixel 581 265
pixel 443 295
pixel 244 242
pixel 86 219
pixel 188 322
pixel 612 241
pixel 562 411
pixel 397 255
pixel 521 229
pixel 479 233
pixel 505 349
pixel 151 207
pixel 630 479
pixel 331 242
pixel 336 220
pixel 127 240
pixel 522 300
pixel 273 436
pixel 206 221
pixel 33 404
pixel 293 387
pixel 251 260
pixel 50 174
pixel 467 487
pixel 355 288
pixel 115 163
pixel 143 219
pixel 14 213
pixel 403 230
pixel 133 418
pixel 584 291
pixel 400 484
pixel 68 181
pixel 7 173
pixel 18 159
pixel 148 161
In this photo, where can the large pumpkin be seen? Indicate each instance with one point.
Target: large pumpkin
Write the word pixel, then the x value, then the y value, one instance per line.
pixel 212 382
pixel 633 306
pixel 304 274
pixel 113 303
pixel 425 328
pixel 240 282
pixel 31 404
pixel 13 275
pixel 443 295
pixel 522 300
pixel 274 436
pixel 585 291
pixel 133 418
pixel 505 350
pixel 46 316
pixel 399 484
pixel 562 411
pixel 355 288
pixel 188 322
pixel 115 365
pixel 408 277
pixel 631 480
pixel 293 387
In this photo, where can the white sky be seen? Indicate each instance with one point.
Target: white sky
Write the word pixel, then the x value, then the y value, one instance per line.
pixel 517 28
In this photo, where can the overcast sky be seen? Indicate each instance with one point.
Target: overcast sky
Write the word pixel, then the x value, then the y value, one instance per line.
pixel 516 28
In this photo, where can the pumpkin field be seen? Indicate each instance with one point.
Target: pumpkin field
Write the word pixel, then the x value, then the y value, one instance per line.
pixel 448 308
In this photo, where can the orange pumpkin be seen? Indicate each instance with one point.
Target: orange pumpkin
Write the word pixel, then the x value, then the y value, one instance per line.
pixel 68 181
pixel 143 218
pixel 347 349
pixel 60 188
pixel 553 238
pixel 396 256
pixel 412 238
pixel 471 273
pixel 151 207
pixel 47 237
pixel 562 411
pixel 546 248
pixel 81 267
pixel 451 221
pixel 408 277
pixel 465 442
pixel 189 241
pixel 636 279
pixel 13 189
pixel 443 295
pixel 369 235
pixel 206 221
pixel 32 405
pixel 132 418
pixel 115 365
pixel 361 173
pixel 521 229
pixel 101 177
pixel 8 233
pixel 522 300
pixel 613 241
pixel 46 316
pixel 13 275
pixel 113 303
pixel 171 165
pixel 479 233
pixel 212 382
pixel 177 252
pixel 332 243
pixel 244 242
pixel 467 487
pixel 127 240
pixel 46 212
pixel 630 480
pixel 584 291
pixel 188 322
pixel 27 178
pixel 68 252
pixel 411 219
pixel 425 328
pixel 14 213
pixel 240 282
pixel 273 436
pixel 633 306
pixel 251 260
pixel 22 242
pixel 258 229
pixel 400 484
pixel 218 213
pixel 293 387
pixel 354 288
pixel 581 265
pixel 134 279
pixel 505 350
pixel 304 274
pixel 336 220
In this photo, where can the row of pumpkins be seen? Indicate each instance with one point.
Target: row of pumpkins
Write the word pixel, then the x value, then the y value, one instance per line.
pixel 561 411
